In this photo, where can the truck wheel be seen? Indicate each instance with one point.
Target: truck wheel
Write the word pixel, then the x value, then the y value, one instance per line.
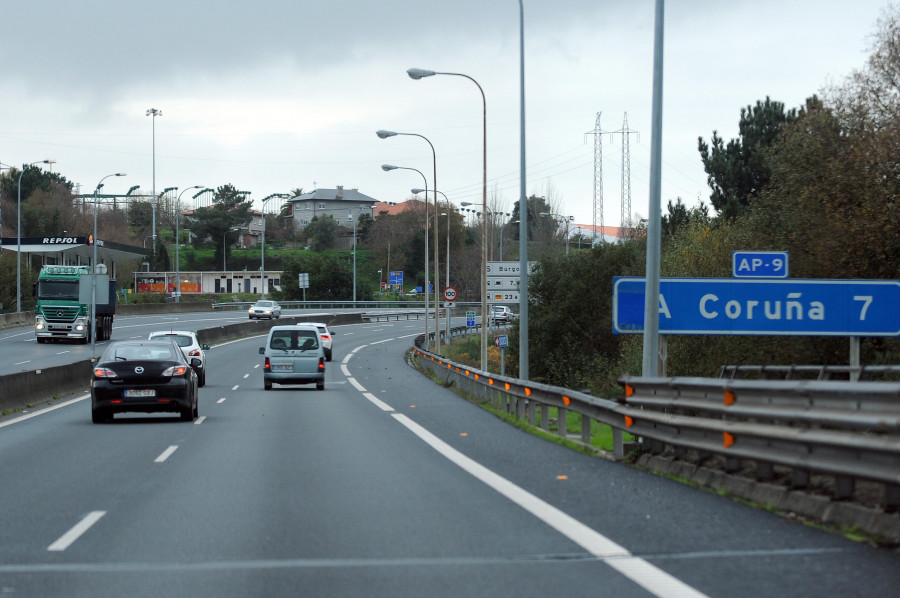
pixel 41 340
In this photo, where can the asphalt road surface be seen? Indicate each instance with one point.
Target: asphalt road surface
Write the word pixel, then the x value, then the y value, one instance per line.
pixel 383 484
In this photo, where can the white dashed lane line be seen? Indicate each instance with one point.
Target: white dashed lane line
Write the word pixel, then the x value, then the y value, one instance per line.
pixel 166 454
pixel 76 532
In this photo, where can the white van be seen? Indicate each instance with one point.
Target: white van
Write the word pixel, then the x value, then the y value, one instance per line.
pixel 293 355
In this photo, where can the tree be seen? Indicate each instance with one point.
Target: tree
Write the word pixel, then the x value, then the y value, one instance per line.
pixel 322 233
pixel 737 172
pixel 680 216
pixel 228 210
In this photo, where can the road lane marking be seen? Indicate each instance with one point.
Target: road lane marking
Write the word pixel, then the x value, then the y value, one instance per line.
pixel 222 400
pixel 378 402
pixel 22 362
pixel 76 532
pixel 166 454
pixel 235 387
pixel 199 420
pixel 639 571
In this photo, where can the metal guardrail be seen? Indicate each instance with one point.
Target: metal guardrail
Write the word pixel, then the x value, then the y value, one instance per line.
pixel 817 372
pixel 849 430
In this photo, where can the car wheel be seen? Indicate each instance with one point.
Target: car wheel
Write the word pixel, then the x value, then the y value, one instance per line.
pixel 267 385
pixel 196 412
pixel 201 379
pixel 99 416
pixel 187 413
pixel 328 356
pixel 320 385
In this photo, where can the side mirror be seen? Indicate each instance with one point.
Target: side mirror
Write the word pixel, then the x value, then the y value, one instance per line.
pixel 262 350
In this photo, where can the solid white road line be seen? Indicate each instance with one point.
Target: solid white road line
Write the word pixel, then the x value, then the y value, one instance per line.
pixel 76 532
pixel 639 571
pixel 166 454
pixel 199 420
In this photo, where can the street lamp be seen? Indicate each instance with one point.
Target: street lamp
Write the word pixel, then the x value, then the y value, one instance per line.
pixel 153 112
pixel 388 168
pixel 19 236
pixel 262 265
pixel 94 266
pixel 560 219
pixel 2 167
pixel 417 74
pixel 437 276
pixel 225 236
pixel 178 243
pixel 447 265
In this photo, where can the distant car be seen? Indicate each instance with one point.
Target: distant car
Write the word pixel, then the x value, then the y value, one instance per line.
pixel 325 334
pixel 500 314
pixel 293 355
pixel 265 308
pixel 190 346
pixel 144 376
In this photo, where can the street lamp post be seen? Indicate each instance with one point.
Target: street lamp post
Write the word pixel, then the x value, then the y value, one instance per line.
pixel 225 236
pixel 94 266
pixel 559 218
pixel 437 272
pixel 178 243
pixel 387 168
pixel 19 236
pixel 447 265
pixel 417 74
pixel 262 264
pixel 153 112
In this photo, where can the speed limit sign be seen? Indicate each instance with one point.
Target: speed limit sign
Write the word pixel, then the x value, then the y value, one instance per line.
pixel 450 294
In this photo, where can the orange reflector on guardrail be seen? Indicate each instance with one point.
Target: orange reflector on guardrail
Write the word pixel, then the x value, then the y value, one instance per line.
pixel 629 390
pixel 566 400
pixel 527 392
pixel 450 367
pixel 506 385
pixel 628 421
pixel 468 373
pixel 727 439
pixel 490 381
pixel 477 376
pixel 729 397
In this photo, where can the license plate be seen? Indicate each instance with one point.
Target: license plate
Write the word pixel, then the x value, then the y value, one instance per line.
pixel 282 367
pixel 140 392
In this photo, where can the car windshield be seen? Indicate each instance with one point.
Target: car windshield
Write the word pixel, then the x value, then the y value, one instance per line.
pixel 303 340
pixel 142 353
pixel 264 304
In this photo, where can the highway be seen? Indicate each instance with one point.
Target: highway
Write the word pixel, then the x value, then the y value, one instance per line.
pixel 385 484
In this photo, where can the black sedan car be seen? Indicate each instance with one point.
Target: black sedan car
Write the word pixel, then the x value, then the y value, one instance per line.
pixel 146 376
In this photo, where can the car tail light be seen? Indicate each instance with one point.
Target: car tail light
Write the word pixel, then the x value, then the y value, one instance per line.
pixel 194 353
pixel 321 364
pixel 175 370
pixel 104 373
pixel 325 337
pixel 267 366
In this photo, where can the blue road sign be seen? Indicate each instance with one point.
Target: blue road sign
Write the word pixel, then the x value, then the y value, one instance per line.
pixel 727 306
pixel 396 278
pixel 470 318
pixel 759 264
pixel 501 340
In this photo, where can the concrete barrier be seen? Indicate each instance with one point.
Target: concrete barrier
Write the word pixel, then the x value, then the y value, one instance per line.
pixel 34 386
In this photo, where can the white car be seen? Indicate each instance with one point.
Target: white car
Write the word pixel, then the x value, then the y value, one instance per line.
pixel 264 308
pixel 325 334
pixel 500 314
pixel 190 346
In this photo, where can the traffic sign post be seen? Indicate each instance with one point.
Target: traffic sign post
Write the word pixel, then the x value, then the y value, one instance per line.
pixel 502 341
pixel 725 306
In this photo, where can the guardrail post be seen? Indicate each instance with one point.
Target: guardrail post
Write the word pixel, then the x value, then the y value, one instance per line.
pixel 800 478
pixel 843 487
pixel 561 422
pixel 891 498
pixel 585 429
pixel 545 417
pixel 618 443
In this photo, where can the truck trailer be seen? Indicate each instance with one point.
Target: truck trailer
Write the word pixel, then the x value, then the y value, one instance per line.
pixel 59 313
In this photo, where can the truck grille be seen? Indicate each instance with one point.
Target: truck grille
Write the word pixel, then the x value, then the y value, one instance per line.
pixel 65 315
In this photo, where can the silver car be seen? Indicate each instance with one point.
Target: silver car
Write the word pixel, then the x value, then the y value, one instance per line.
pixel 325 334
pixel 264 308
pixel 293 355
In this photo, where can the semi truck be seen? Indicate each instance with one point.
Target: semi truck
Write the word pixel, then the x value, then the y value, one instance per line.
pixel 59 313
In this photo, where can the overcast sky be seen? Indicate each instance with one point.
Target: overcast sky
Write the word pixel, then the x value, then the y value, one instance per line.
pixel 278 94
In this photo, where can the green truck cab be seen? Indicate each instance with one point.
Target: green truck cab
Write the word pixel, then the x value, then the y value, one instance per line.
pixel 59 313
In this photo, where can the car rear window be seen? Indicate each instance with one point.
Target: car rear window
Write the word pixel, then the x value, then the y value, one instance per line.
pixel 143 353
pixel 294 339
pixel 180 339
